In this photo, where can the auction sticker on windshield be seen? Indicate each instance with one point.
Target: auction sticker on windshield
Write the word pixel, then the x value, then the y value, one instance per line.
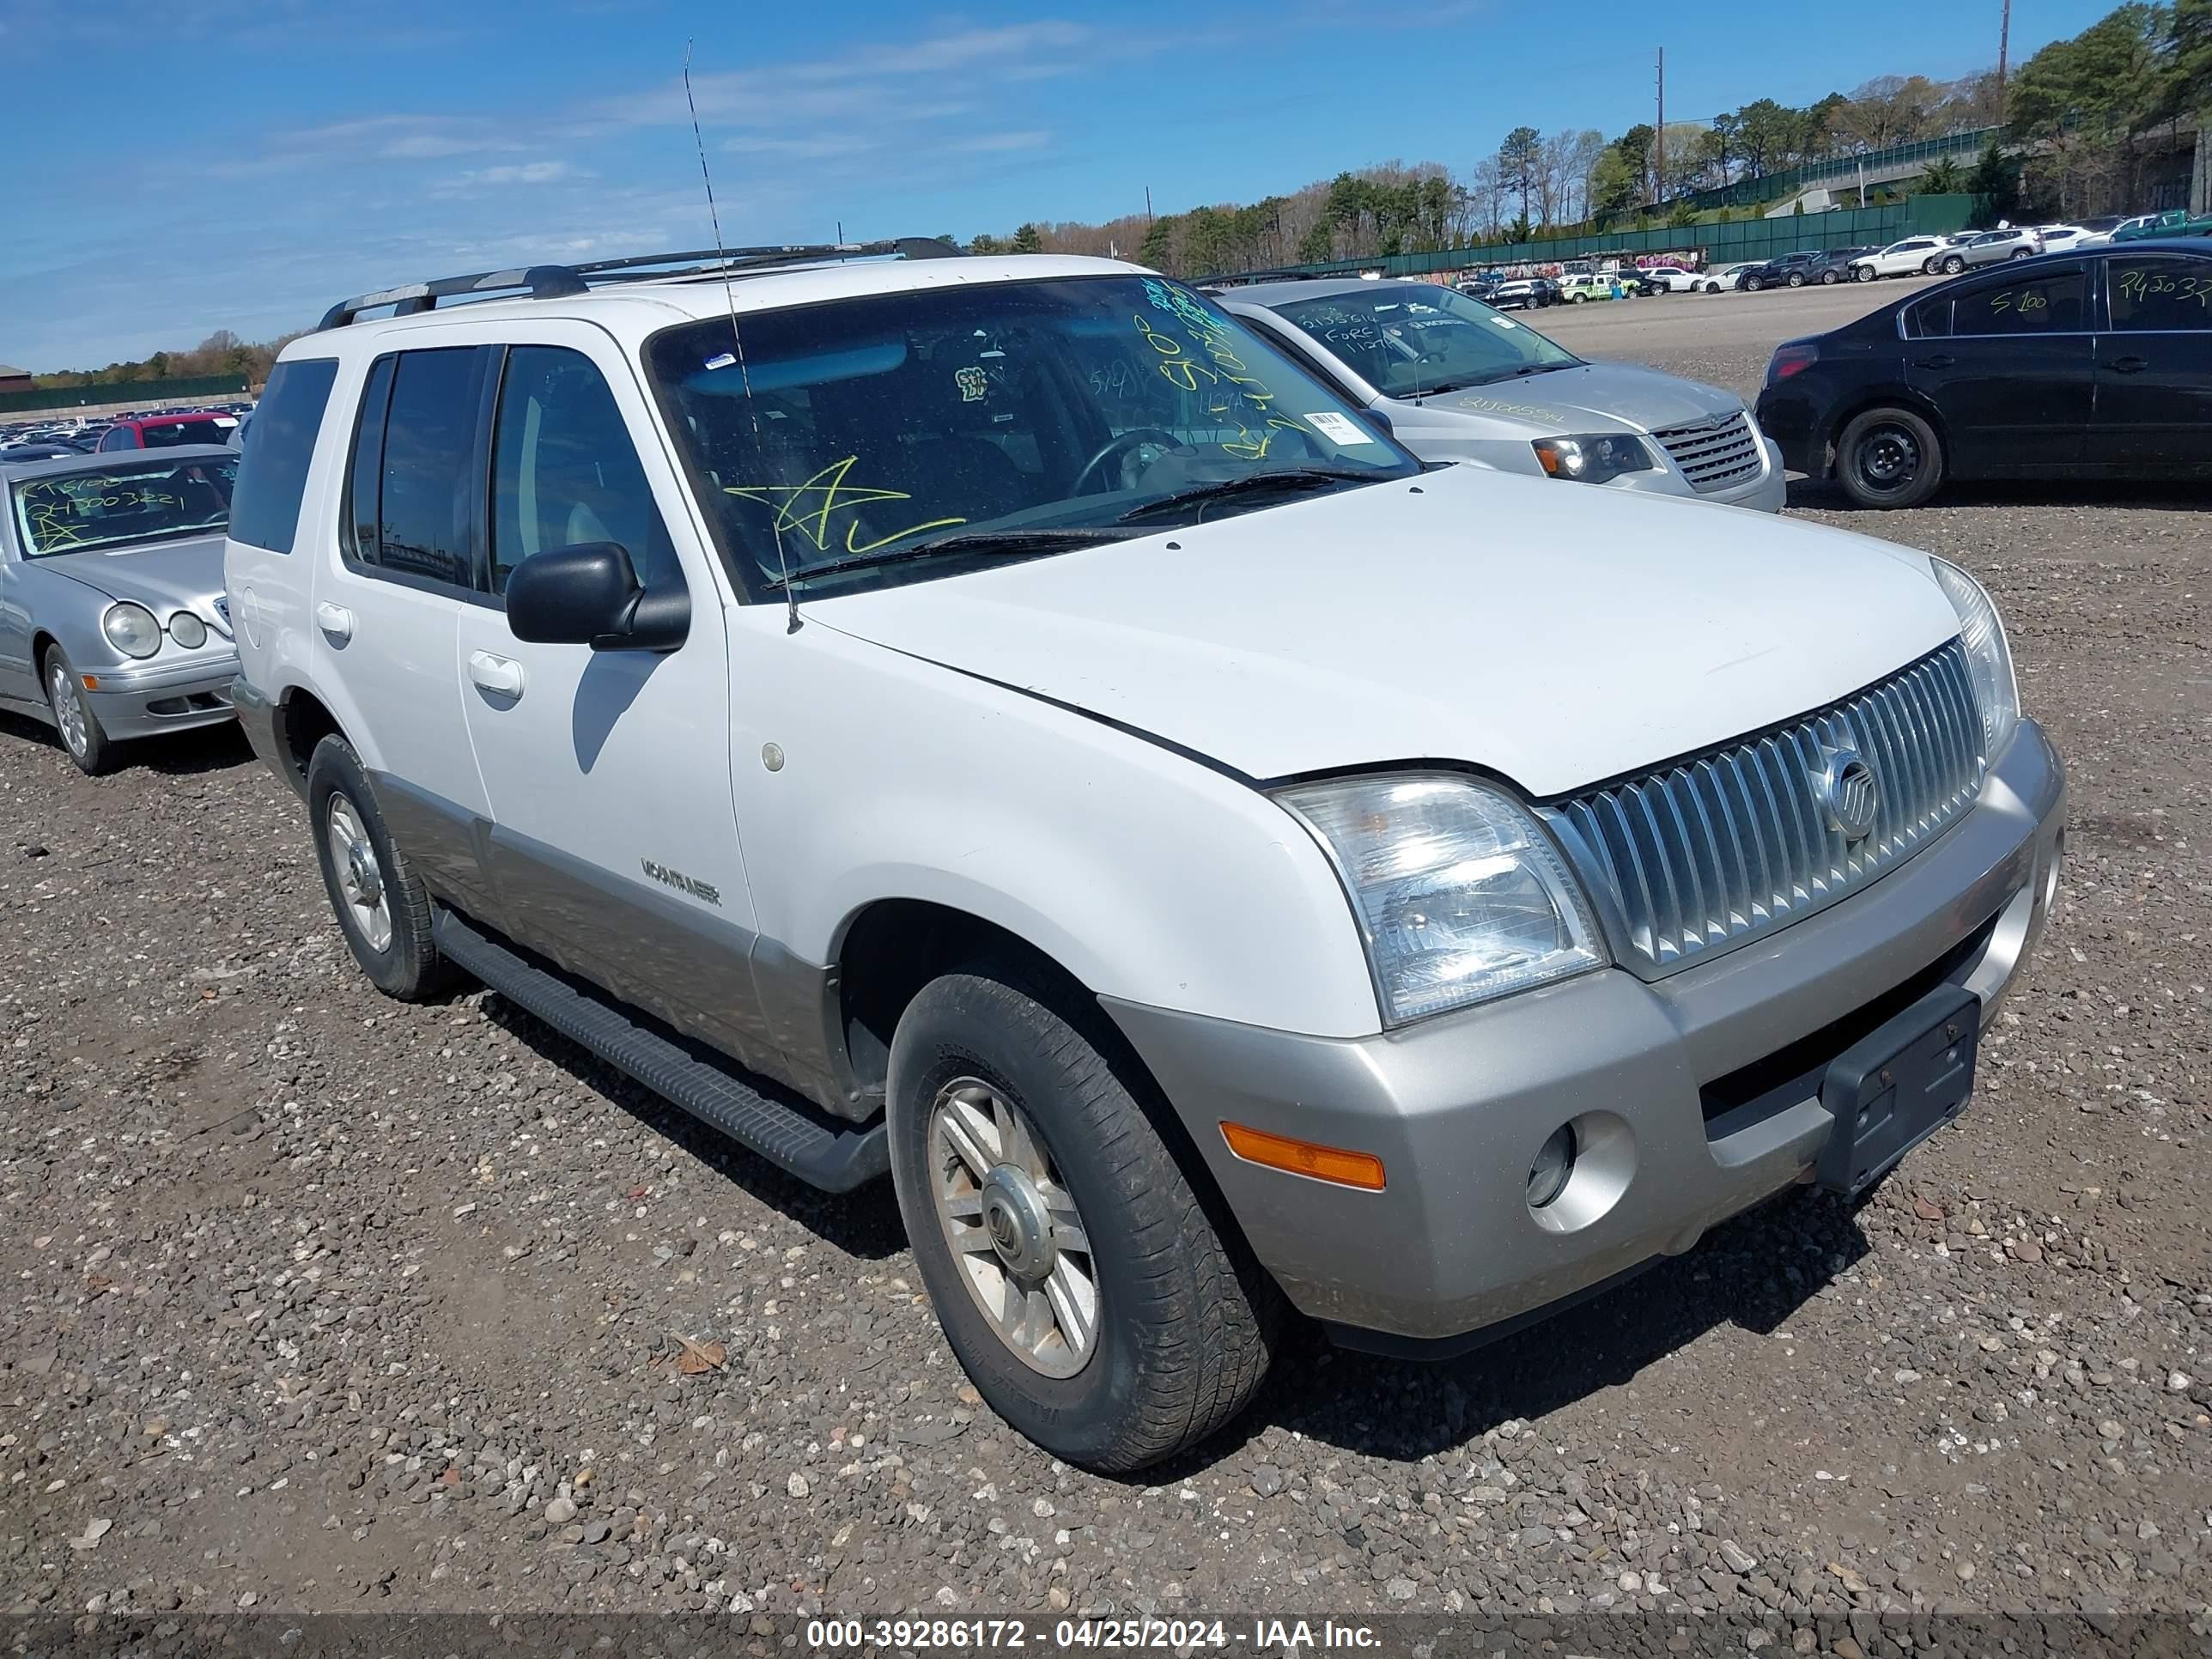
pixel 1341 428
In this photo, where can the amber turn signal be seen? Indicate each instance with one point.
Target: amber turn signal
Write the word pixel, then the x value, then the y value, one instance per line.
pixel 1332 1164
pixel 91 682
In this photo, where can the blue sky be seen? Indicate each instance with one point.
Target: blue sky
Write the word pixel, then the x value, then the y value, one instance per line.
pixel 176 168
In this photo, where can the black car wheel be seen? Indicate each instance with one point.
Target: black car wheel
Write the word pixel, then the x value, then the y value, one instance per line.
pixel 1889 458
pixel 1796 279
pixel 1752 284
pixel 1953 265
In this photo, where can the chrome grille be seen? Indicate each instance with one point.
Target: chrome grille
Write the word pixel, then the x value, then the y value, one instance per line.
pixel 1713 850
pixel 1715 454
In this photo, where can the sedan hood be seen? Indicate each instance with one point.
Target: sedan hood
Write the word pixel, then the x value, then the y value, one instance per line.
pixel 168 576
pixel 1556 633
pixel 1592 398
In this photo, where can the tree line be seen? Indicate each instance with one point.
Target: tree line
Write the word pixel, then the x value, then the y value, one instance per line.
pixel 221 353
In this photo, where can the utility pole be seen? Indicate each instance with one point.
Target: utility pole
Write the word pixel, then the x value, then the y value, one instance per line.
pixel 1659 134
pixel 2004 44
pixel 1148 190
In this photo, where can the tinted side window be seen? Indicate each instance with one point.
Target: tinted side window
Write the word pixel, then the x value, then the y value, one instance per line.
pixel 2163 293
pixel 2049 302
pixel 272 473
pixel 1931 318
pixel 116 438
pixel 358 534
pixel 564 471
pixel 423 495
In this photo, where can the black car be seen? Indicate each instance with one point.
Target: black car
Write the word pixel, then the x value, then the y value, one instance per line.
pixel 1834 264
pixel 1784 270
pixel 2095 364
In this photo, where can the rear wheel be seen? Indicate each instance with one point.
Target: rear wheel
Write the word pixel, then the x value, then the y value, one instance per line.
pixel 1829 278
pixel 1752 284
pixel 82 734
pixel 1889 458
pixel 380 902
pixel 1077 1273
pixel 1796 279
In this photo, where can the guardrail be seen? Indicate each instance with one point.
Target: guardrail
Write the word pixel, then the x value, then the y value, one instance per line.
pixel 1772 186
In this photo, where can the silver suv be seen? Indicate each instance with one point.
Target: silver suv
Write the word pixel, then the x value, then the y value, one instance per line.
pixel 1993 247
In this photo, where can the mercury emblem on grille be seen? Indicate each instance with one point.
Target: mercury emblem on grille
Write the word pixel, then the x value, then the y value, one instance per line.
pixel 1848 791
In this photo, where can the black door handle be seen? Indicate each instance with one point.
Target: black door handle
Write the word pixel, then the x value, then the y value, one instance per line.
pixel 1941 359
pixel 2129 365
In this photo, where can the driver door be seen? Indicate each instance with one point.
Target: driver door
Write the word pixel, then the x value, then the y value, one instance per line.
pixel 614 843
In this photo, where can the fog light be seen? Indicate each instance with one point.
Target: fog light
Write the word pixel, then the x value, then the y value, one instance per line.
pixel 1555 1162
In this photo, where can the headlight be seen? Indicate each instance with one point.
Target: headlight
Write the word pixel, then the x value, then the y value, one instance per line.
pixel 1989 657
pixel 1459 894
pixel 1592 456
pixel 188 630
pixel 132 629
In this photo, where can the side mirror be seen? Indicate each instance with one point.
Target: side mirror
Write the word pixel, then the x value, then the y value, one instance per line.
pixel 589 595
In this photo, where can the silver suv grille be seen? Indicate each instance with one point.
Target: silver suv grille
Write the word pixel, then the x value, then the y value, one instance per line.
pixel 1715 454
pixel 1721 848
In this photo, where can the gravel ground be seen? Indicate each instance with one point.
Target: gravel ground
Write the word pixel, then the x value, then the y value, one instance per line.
pixel 324 1302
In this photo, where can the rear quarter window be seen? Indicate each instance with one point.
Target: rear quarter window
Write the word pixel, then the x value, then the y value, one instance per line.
pixel 272 473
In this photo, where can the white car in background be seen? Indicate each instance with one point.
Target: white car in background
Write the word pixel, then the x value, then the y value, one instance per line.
pixel 1725 277
pixel 1909 257
pixel 1672 279
pixel 2061 239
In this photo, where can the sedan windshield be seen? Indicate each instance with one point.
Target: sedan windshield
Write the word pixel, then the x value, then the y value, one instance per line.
pixel 131 502
pixel 1408 339
pixel 918 433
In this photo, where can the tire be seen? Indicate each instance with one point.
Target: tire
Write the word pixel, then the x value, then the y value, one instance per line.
pixel 1862 273
pixel 1796 279
pixel 377 882
pixel 2020 253
pixel 1953 265
pixel 1752 285
pixel 1889 458
pixel 1712 288
pixel 1829 279
pixel 84 740
pixel 1183 1320
pixel 1576 299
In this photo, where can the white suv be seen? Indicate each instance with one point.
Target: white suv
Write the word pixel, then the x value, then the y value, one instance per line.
pixel 1000 722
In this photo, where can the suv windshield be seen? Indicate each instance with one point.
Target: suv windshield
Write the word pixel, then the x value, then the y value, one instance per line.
pixel 131 502
pixel 857 438
pixel 1408 339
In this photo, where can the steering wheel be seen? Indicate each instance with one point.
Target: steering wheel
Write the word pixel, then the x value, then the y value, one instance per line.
pixel 1135 437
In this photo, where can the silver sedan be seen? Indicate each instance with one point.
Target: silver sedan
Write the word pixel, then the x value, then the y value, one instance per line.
pixel 112 616
pixel 1457 381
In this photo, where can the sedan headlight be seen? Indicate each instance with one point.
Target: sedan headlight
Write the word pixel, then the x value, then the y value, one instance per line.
pixel 1458 893
pixel 1989 657
pixel 188 630
pixel 132 629
pixel 1592 456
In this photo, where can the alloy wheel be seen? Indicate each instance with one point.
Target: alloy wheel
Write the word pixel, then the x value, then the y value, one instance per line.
pixel 69 713
pixel 361 878
pixel 1017 1238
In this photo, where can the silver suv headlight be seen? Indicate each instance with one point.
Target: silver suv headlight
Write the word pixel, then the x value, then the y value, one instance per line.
pixel 1989 657
pixel 1458 892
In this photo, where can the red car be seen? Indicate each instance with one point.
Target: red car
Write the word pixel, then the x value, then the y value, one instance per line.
pixel 164 431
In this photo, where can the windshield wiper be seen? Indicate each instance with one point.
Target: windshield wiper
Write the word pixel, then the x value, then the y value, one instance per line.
pixel 965 541
pixel 1284 478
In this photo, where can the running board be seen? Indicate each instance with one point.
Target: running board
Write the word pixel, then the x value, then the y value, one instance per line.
pixel 836 1157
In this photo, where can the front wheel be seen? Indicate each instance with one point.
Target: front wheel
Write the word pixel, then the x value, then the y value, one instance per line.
pixel 82 734
pixel 1953 265
pixel 2020 253
pixel 1712 288
pixel 1889 458
pixel 380 902
pixel 1796 279
pixel 1863 274
pixel 1576 299
pixel 1078 1275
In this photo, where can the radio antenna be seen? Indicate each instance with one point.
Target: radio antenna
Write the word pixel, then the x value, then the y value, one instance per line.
pixel 738 340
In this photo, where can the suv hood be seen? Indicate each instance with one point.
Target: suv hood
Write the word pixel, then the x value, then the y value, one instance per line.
pixel 1557 633
pixel 1590 397
pixel 182 575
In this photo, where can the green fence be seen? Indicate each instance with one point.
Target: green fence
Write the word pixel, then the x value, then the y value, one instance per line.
pixel 104 393
pixel 1720 244
pixel 1773 186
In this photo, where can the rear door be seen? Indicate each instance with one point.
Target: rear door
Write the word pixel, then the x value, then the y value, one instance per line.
pixel 2153 407
pixel 614 846
pixel 389 599
pixel 2014 378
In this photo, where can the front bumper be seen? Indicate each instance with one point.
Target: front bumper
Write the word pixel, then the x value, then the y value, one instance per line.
pixel 145 701
pixel 1673 1082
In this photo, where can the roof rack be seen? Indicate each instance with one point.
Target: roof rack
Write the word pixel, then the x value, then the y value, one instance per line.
pixel 1247 278
pixel 565 282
